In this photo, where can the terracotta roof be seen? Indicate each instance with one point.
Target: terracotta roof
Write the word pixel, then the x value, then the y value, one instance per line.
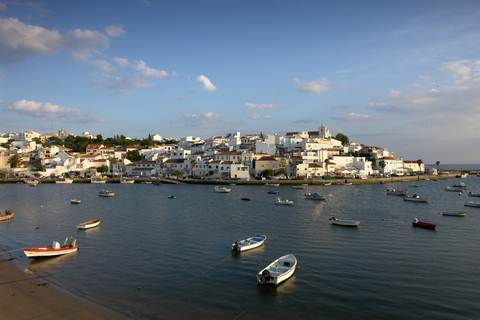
pixel 267 158
pixel 388 158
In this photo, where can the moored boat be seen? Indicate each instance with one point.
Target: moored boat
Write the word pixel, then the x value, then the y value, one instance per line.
pixel 278 271
pixel 249 243
pixel 460 185
pixel 219 189
pixel 127 181
pixel 106 193
pixel 69 246
pixel 89 224
pixel 97 180
pixel 422 224
pixel 272 184
pixel 344 222
pixel 245 199
pixel 31 182
pixel 171 197
pixel 415 198
pixel 272 192
pixel 7 215
pixel 472 204
pixel 283 202
pixel 454 189
pixel 396 192
pixel 454 214
pixel 473 194
pixel 314 196
pixel 297 187
pixel 75 201
pixel 64 181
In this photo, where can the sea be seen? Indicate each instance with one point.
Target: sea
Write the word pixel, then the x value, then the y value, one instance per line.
pixel 158 258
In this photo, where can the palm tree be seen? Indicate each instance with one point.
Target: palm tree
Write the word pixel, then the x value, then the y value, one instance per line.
pixel 437 163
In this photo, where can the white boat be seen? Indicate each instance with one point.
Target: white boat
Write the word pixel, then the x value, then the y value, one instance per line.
pixel 222 189
pixel 327 184
pixel 127 181
pixel 278 271
pixel 464 175
pixel 454 214
pixel 89 224
pixel 272 184
pixel 106 193
pixel 415 198
pixel 7 215
pixel 69 246
pixel 314 196
pixel 472 204
pixel 282 202
pixel 64 181
pixel 460 185
pixel 454 189
pixel 344 223
pixel 32 182
pixel 396 192
pixel 75 201
pixel 297 187
pixel 249 243
pixel 473 194
pixel 97 180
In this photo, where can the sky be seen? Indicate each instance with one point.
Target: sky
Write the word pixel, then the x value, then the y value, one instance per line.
pixel 400 74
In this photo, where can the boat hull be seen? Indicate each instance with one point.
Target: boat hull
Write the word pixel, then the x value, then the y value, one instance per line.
pixel 88 225
pixel 7 217
pixel 424 225
pixel 40 252
pixel 418 200
pixel 277 279
pixel 245 247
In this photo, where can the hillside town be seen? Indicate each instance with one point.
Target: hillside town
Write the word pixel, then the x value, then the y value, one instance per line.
pixel 295 155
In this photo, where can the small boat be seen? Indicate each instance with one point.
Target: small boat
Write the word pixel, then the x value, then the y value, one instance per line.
pixel 396 192
pixel 472 204
pixel 278 271
pixel 7 215
pixel 272 192
pixel 415 198
pixel 171 197
pixel 297 187
pixel 464 175
pixel 249 243
pixel 75 201
pixel 348 183
pixel 344 223
pixel 472 194
pixel 88 224
pixel 245 199
pixel 314 196
pixel 327 184
pixel 454 214
pixel 106 193
pixel 272 184
pixel 31 182
pixel 69 246
pixel 97 180
pixel 146 182
pixel 222 189
pixel 282 202
pixel 460 185
pixel 127 181
pixel 454 189
pixel 422 224
pixel 64 181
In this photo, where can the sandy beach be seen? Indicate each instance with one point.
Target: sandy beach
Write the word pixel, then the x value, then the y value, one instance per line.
pixel 24 295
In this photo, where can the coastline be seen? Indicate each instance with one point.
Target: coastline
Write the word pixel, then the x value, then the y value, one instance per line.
pixel 26 295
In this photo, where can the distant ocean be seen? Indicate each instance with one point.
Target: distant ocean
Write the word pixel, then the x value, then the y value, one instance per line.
pixel 449 166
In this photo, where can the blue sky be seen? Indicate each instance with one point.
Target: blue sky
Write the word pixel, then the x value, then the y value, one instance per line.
pixel 401 74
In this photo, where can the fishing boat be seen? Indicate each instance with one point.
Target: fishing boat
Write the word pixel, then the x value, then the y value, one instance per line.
pixel 272 192
pixel 283 202
pixel 460 185
pixel 127 181
pixel 454 214
pixel 106 193
pixel 222 189
pixel 314 196
pixel 69 246
pixel 422 224
pixel 97 180
pixel 415 198
pixel 344 223
pixel 473 194
pixel 278 271
pixel 272 184
pixel 75 201
pixel 472 204
pixel 454 189
pixel 88 224
pixel 7 215
pixel 64 181
pixel 171 197
pixel 245 199
pixel 249 243
pixel 396 192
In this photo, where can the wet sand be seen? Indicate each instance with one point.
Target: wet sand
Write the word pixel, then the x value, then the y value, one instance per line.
pixel 24 295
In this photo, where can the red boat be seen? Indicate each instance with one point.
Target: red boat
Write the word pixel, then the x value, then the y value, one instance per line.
pixel 425 225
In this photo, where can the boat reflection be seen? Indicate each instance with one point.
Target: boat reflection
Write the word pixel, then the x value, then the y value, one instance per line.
pixel 253 252
pixel 42 264
pixel 287 287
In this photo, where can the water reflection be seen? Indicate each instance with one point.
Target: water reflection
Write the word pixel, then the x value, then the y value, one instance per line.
pixel 45 264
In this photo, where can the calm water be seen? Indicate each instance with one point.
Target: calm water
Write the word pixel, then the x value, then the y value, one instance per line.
pixel 155 258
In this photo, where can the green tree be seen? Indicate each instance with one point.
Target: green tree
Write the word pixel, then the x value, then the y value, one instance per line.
pixel 55 141
pixel 382 164
pixel 102 169
pixel 178 174
pixel 267 173
pixel 437 163
pixel 281 171
pixel 37 165
pixel 343 138
pixel 14 161
pixel 134 155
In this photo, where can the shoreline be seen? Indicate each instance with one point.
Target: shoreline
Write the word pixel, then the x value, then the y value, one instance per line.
pixel 26 295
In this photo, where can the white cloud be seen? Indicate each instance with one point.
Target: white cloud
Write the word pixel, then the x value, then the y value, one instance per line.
pixel 114 31
pixel 463 70
pixel 103 65
pixel 123 84
pixel 50 111
pixel 3 7
pixel 315 86
pixel 206 83
pixel 258 106
pixel 394 93
pixel 257 116
pixel 121 62
pixel 147 72
pixel 207 119
pixel 210 115
pixel 19 40
pixel 83 42
pixel 353 117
